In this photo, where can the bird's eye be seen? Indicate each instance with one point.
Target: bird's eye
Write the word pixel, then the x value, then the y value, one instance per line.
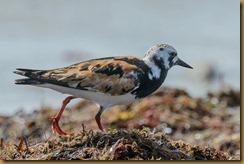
pixel 172 54
pixel 161 49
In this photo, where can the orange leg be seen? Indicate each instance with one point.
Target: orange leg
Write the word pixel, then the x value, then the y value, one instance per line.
pixel 55 126
pixel 98 119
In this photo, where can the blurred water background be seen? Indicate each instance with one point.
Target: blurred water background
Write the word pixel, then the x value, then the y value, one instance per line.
pixel 48 34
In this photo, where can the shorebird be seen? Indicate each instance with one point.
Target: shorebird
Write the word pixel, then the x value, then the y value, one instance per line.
pixel 106 81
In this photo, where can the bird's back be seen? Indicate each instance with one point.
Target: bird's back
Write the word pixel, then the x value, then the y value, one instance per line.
pixel 113 75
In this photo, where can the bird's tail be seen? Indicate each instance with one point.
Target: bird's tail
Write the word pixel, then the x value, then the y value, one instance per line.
pixel 27 81
pixel 26 72
pixel 33 77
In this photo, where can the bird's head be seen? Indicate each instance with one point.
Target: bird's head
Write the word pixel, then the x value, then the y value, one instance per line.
pixel 166 55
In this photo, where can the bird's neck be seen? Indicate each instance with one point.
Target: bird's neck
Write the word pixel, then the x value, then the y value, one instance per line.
pixel 158 70
pixel 155 74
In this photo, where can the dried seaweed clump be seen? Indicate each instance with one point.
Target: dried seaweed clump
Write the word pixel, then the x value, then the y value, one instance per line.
pixel 113 145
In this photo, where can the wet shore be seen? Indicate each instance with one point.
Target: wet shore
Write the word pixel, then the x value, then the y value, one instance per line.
pixel 167 125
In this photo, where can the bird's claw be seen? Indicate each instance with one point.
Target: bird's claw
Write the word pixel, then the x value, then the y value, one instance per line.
pixel 56 128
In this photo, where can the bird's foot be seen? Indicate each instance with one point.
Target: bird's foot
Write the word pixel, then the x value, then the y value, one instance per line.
pixel 55 126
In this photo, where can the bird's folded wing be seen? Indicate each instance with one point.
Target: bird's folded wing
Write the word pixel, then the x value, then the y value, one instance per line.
pixel 110 76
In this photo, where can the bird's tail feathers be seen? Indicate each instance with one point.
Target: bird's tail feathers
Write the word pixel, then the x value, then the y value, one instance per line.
pixel 27 81
pixel 25 72
pixel 33 76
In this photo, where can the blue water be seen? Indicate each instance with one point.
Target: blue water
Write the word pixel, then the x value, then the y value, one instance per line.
pixel 48 34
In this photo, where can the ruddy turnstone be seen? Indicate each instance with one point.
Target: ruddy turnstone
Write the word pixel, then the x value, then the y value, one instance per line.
pixel 106 81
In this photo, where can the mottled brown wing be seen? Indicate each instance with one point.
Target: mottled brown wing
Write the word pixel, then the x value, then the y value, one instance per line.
pixel 114 76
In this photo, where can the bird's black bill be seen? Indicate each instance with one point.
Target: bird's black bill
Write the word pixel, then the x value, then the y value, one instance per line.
pixel 183 64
